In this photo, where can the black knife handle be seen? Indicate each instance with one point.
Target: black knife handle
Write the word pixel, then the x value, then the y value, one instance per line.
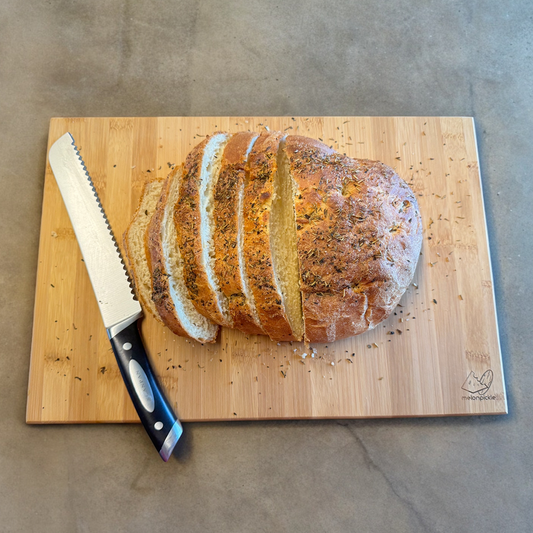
pixel 153 409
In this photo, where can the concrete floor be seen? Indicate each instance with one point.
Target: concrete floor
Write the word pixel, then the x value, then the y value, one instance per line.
pixel 371 57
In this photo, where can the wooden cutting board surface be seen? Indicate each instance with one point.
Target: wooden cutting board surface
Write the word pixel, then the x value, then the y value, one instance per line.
pixel 434 356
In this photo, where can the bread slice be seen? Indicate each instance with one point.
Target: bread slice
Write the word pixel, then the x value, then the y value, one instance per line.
pixel 228 241
pixel 265 220
pixel 283 242
pixel 359 234
pixel 134 245
pixel 169 292
pixel 193 218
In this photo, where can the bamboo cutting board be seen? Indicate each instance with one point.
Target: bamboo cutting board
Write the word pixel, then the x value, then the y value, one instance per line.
pixel 438 354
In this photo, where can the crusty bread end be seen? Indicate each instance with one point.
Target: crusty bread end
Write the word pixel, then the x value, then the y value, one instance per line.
pixel 135 246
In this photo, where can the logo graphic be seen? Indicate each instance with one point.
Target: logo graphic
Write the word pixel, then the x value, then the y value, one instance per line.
pixel 476 385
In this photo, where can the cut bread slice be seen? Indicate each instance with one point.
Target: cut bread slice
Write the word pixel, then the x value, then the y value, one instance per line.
pixel 169 292
pixel 228 241
pixel 134 245
pixel 283 242
pixel 193 219
pixel 267 224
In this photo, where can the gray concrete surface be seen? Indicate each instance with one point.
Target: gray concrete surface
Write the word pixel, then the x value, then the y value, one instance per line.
pixel 371 57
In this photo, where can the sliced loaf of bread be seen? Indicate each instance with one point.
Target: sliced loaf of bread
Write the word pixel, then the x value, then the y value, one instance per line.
pixel 135 246
pixel 275 234
pixel 169 293
pixel 193 219
pixel 229 234
pixel 270 242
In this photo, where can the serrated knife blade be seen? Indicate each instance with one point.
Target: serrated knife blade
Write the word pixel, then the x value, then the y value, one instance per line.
pixel 118 307
pixel 97 243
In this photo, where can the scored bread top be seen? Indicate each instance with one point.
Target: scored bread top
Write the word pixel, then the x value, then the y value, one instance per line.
pixel 169 293
pixel 258 195
pixel 193 220
pixel 135 246
pixel 228 241
pixel 359 237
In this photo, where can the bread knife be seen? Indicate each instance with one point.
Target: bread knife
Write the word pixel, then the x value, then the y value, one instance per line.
pixel 120 310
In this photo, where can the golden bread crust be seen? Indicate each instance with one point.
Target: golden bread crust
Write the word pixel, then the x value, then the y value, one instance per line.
pixel 359 237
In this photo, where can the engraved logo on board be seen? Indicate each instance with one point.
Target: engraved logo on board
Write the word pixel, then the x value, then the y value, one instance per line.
pixel 478 386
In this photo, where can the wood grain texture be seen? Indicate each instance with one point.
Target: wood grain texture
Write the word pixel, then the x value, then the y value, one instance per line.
pixel 413 364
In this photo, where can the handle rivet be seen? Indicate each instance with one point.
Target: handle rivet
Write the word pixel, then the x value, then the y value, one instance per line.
pixel 126 346
pixel 158 425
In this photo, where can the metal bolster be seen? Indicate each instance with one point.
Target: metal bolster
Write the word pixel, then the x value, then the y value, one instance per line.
pixel 117 328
